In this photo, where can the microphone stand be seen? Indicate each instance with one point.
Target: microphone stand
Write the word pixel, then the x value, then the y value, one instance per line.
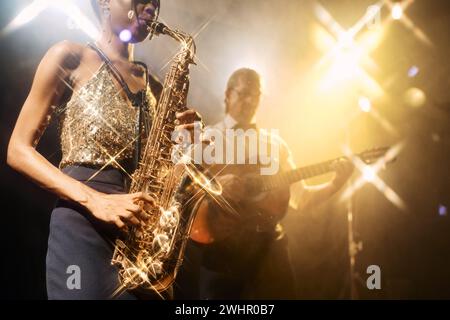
pixel 353 248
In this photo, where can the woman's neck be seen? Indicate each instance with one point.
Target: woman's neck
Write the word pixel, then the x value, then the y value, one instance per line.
pixel 115 48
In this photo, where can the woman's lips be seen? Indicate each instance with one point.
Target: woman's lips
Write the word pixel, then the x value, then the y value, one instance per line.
pixel 144 23
pixel 146 18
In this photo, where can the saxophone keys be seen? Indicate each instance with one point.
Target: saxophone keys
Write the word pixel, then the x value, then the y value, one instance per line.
pixel 161 243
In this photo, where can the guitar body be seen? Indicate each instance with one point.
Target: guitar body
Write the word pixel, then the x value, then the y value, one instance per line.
pixel 267 200
pixel 258 212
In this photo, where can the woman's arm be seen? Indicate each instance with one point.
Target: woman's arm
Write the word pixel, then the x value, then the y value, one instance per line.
pixel 48 90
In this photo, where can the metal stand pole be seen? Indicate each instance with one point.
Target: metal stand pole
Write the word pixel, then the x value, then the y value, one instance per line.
pixel 353 248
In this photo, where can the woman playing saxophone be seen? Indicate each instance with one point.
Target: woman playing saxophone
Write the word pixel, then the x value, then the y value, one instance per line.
pixel 101 96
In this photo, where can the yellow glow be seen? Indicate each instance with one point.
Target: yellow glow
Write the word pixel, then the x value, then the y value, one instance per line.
pixel 371 39
pixel 344 67
pixel 345 59
pixel 364 104
pixel 369 175
pixel 345 39
pixel 323 39
pixel 415 98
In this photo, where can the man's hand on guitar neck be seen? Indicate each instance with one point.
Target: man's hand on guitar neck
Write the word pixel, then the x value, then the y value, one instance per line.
pixel 344 169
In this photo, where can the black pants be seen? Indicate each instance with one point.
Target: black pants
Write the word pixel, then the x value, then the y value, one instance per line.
pixel 81 245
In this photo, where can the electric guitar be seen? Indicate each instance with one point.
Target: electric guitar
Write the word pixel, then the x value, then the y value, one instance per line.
pixel 262 209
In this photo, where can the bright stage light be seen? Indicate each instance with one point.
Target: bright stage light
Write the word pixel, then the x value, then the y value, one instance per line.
pixel 26 15
pixel 369 174
pixel 413 71
pixel 346 60
pixel 345 39
pixel 344 67
pixel 397 11
pixel 125 35
pixel 77 19
pixel 364 104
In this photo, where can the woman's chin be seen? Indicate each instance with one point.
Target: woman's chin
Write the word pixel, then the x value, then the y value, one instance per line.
pixel 138 35
pixel 135 38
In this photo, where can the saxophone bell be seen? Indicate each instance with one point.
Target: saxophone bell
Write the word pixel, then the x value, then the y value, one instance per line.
pixel 198 174
pixel 202 178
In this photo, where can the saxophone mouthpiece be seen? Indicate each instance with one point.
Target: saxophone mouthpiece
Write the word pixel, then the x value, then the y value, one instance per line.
pixel 158 27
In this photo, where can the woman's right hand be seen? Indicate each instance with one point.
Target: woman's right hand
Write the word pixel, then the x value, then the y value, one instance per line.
pixel 120 209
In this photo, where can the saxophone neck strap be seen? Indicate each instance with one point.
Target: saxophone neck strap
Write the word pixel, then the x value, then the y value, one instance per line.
pixel 136 99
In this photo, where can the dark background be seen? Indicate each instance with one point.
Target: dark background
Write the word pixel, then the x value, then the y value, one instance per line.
pixel 411 246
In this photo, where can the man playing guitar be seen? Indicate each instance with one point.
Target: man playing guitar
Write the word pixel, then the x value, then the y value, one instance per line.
pixel 245 252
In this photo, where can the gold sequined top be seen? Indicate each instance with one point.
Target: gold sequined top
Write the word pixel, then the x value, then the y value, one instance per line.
pixel 99 126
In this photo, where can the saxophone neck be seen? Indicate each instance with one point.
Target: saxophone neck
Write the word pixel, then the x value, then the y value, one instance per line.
pixel 186 40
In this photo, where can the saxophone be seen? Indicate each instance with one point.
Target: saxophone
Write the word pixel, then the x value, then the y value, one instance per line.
pixel 150 254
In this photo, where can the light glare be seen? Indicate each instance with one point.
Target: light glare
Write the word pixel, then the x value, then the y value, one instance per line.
pixel 364 104
pixel 125 35
pixel 397 11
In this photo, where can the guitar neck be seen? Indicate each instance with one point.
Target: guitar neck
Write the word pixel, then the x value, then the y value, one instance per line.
pixel 289 177
pixel 266 183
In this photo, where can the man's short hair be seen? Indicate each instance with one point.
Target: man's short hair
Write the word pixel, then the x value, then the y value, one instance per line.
pixel 250 76
pixel 244 74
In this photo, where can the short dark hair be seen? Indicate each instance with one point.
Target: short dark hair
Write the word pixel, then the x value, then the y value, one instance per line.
pixel 96 7
pixel 250 76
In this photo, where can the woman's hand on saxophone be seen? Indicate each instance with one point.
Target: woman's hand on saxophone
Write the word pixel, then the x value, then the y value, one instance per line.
pixel 190 121
pixel 120 209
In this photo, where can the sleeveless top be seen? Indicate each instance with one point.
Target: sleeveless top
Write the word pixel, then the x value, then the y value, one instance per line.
pixel 99 126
